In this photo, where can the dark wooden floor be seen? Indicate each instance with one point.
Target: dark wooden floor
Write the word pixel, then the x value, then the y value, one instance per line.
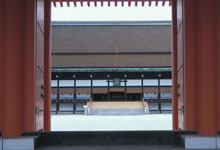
pixel 110 140
pixel 136 147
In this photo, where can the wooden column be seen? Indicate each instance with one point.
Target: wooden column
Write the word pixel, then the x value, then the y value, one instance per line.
pixel 125 93
pixel 218 59
pixel 158 94
pixel 142 86
pixel 47 65
pixel 206 64
pixel 19 76
pixel 174 66
pixel 91 92
pixel 1 60
pixel 58 94
pixel 29 74
pixel 108 88
pixel 13 67
pixel 189 65
pixel 197 46
pixel 74 96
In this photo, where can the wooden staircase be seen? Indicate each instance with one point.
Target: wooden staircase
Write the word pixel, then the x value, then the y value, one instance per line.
pixel 117 108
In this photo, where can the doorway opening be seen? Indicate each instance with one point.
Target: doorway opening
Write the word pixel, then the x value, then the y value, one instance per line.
pixel 111 74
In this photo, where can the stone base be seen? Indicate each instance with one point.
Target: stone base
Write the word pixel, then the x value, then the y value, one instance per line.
pixel 218 142
pixel 201 142
pixel 0 143
pixel 19 143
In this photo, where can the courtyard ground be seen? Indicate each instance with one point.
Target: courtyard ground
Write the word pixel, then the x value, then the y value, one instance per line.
pixel 79 122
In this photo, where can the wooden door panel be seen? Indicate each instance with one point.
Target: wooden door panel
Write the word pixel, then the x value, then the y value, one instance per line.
pixel 39 72
pixel 180 48
pixel 179 13
pixel 40 14
pixel 181 99
pixel 180 33
pixel 40 34
pixel 180 65
pixel 40 49
pixel 39 103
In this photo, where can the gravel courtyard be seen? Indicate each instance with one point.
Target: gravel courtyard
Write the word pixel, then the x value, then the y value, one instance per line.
pixel 70 122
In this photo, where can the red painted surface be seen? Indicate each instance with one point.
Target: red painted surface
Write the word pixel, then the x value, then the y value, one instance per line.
pixel 200 63
pixel 29 74
pixel 218 59
pixel 174 66
pixel 189 66
pixel 20 47
pixel 47 66
pixel 197 58
pixel 13 67
pixel 205 46
pixel 1 62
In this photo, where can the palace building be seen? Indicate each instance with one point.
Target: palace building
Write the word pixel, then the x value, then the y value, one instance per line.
pixel 98 62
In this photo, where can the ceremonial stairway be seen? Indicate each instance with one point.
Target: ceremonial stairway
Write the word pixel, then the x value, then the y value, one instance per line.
pixel 117 108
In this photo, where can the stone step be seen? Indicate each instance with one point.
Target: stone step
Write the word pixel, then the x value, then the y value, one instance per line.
pixel 107 147
pixel 117 111
pixel 19 143
pixel 114 139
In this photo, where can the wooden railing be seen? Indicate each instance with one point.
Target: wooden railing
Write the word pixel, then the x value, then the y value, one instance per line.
pixel 89 105
pixel 145 105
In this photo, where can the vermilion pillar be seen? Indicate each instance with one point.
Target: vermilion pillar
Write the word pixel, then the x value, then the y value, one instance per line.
pixel 174 66
pixel 189 64
pixel 200 51
pixel 47 66
pixel 18 54
pixel 206 66
pixel 218 58
pixel 1 62
pixel 13 67
pixel 29 73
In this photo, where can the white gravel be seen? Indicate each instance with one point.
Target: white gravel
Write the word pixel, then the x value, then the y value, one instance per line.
pixel 69 122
